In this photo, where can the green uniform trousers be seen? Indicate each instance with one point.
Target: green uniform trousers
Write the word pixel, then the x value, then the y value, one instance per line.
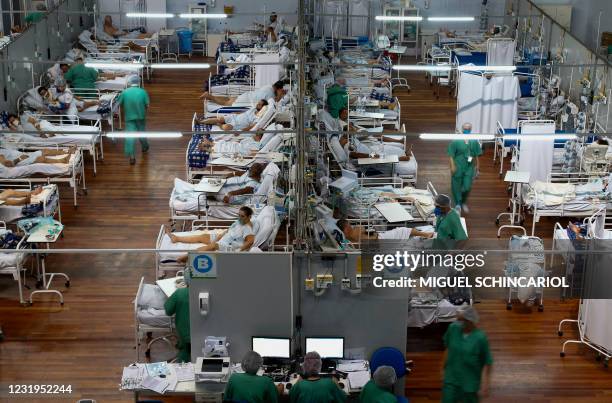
pixel 129 148
pixel 461 184
pixel 455 394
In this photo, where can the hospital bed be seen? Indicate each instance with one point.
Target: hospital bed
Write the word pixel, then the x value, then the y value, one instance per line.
pixel 62 127
pixel 107 50
pixel 13 263
pixel 266 224
pixel 527 265
pixel 48 202
pixel 150 318
pixel 187 204
pixel 565 195
pixel 72 173
pixel 31 100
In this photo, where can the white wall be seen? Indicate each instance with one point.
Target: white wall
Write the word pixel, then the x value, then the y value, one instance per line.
pixel 585 18
pixel 238 22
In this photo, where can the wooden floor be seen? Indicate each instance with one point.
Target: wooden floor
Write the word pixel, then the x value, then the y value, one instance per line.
pixel 86 343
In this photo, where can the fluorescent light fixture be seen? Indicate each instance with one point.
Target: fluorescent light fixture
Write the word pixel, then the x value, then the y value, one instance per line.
pixel 456 136
pixel 147 135
pixel 417 67
pixel 450 19
pixel 149 15
pixel 527 137
pixel 182 66
pixel 114 66
pixel 468 67
pixel 187 15
pixel 398 18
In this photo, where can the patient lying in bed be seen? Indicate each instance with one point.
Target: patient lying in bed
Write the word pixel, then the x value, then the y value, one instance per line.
pixel 239 237
pixel 12 197
pixel 242 121
pixel 13 158
pixel 358 233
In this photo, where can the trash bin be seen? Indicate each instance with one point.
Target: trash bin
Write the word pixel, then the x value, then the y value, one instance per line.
pixel 185 41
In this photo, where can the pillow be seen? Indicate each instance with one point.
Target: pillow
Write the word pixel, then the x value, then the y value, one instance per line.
pixel 337 149
pixel 272 144
pixel 34 100
pixel 152 297
pixel 265 225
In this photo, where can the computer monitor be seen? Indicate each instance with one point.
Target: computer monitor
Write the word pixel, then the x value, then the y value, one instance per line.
pixel 272 347
pixel 327 347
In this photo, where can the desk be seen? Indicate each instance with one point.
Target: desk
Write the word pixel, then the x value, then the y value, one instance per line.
pixel 401 82
pixel 227 161
pixel 517 179
pixel 390 159
pixel 41 235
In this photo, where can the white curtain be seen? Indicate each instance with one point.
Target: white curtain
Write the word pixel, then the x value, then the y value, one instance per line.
pixel 336 24
pixel 484 101
pixel 359 25
pixel 598 322
pixel 500 52
pixel 267 74
pixel 536 156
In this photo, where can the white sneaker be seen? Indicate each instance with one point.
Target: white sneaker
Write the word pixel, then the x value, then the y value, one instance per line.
pixel 465 209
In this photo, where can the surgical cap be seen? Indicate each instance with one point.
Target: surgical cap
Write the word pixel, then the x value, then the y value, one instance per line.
pixel 60 82
pixel 312 364
pixel 384 377
pixel 251 362
pixel 442 200
pixel 133 80
pixel 469 313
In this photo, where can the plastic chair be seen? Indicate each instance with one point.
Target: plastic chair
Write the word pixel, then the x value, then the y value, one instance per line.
pixel 392 357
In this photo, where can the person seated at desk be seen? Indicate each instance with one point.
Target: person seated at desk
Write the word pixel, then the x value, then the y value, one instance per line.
pixel 311 387
pixel 448 222
pixel 250 387
pixel 239 237
pixel 178 305
pixel 275 91
pixel 358 233
pixel 13 158
pixel 379 389
pixel 239 121
pixel 12 197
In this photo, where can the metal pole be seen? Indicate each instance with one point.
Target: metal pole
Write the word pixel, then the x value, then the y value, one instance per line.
pixel 300 177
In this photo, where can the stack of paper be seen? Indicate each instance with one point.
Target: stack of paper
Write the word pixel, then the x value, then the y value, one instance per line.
pixel 184 372
pixel 155 384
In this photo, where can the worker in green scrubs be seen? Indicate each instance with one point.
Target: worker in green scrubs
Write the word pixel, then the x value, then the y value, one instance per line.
pixel 379 389
pixel 250 387
pixel 464 166
pixel 178 305
pixel 467 354
pixel 37 15
pixel 134 101
pixel 311 388
pixel 448 221
pixel 81 77
pixel 337 99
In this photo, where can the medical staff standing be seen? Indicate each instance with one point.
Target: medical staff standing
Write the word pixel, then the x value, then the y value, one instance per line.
pixel 135 102
pixel 467 354
pixel 448 222
pixel 250 387
pixel 178 305
pixel 464 167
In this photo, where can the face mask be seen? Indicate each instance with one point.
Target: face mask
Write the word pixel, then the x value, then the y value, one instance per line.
pixel 467 131
pixel 438 212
